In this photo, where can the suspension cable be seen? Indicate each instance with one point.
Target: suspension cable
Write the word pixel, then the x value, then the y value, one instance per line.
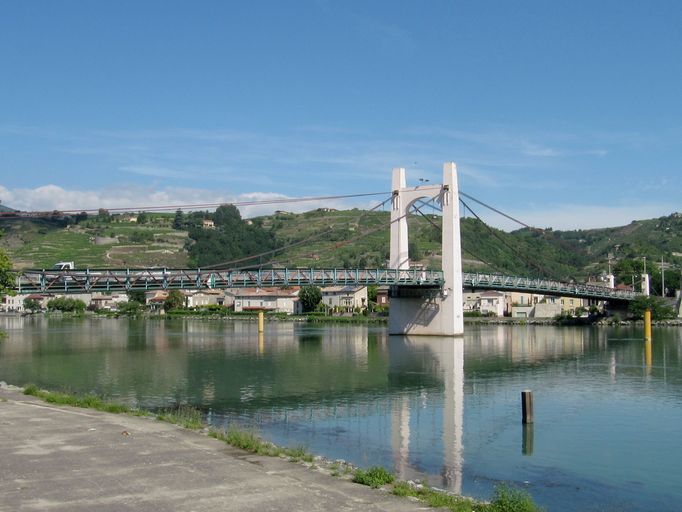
pixel 439 229
pixel 496 211
pixel 38 214
pixel 530 263
pixel 272 252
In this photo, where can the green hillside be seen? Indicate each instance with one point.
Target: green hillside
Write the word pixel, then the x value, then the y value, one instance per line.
pixel 348 238
pixel 42 242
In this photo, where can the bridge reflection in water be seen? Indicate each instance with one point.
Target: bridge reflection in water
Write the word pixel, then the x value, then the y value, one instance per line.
pixel 440 409
pixel 448 363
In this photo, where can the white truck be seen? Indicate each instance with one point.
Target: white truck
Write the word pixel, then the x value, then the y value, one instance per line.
pixel 64 265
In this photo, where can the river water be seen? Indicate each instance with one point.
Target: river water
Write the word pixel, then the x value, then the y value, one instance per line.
pixel 608 409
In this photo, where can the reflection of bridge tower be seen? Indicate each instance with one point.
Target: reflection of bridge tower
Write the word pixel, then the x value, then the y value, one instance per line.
pixel 453 415
pixel 450 359
pixel 422 310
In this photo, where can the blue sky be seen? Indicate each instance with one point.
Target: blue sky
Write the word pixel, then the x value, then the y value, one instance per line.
pixel 563 114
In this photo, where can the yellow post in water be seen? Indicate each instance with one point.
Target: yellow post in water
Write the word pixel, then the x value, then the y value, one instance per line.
pixel 261 321
pixel 647 325
pixel 648 357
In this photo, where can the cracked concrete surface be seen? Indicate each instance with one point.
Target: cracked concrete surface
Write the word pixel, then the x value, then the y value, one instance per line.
pixel 55 458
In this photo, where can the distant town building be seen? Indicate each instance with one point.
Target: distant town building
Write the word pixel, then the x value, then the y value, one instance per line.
pixel 345 298
pixel 13 303
pixel 277 300
pixel 382 296
pixel 492 303
pixel 198 298
pixel 107 301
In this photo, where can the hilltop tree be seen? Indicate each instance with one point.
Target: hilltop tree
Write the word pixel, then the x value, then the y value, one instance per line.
pixel 227 217
pixel 103 215
pixel 232 239
pixel 178 221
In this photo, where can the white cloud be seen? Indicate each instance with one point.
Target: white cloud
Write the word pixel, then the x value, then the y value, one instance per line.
pixel 537 150
pixel 153 170
pixel 251 204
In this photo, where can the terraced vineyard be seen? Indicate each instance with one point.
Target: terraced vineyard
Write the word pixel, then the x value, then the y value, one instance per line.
pixel 356 239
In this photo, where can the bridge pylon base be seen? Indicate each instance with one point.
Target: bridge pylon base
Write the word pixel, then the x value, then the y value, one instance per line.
pixel 432 314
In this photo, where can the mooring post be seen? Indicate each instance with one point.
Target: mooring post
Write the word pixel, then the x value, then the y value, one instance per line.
pixel 648 356
pixel 527 405
pixel 647 325
pixel 527 439
pixel 261 321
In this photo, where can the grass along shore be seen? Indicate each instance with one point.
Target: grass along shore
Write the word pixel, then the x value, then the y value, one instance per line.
pixel 505 499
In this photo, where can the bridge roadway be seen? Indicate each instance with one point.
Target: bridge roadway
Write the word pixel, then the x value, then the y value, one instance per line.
pixel 416 281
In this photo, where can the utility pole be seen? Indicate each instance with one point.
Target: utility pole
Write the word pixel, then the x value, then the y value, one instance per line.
pixel 662 278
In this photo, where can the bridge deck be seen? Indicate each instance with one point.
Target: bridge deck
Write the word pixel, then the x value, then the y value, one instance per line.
pixel 106 280
pixel 110 280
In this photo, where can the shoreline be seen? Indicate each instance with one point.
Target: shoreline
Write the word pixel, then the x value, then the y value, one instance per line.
pixel 360 320
pixel 83 434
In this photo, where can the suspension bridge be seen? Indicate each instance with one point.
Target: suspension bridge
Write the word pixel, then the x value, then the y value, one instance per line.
pixel 423 302
pixel 123 280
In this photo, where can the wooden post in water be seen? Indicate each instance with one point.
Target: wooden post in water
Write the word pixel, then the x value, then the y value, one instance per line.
pixel 261 321
pixel 527 406
pixel 527 440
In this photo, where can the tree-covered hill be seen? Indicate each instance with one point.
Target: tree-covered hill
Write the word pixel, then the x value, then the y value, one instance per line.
pixel 346 238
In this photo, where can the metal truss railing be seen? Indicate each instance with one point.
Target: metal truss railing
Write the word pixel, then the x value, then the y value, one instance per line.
pixel 110 280
pixel 543 287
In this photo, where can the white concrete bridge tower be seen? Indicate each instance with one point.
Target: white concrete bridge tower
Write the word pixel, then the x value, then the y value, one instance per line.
pixel 417 310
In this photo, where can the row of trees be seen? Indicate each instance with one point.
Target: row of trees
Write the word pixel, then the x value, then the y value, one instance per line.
pixel 6 275
pixel 663 281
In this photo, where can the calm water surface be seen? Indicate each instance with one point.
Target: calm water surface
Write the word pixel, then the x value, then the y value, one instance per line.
pixel 608 425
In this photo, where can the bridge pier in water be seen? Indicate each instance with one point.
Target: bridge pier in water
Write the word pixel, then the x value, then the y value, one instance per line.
pixel 436 311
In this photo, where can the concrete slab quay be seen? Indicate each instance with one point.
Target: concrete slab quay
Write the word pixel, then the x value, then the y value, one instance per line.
pixel 69 459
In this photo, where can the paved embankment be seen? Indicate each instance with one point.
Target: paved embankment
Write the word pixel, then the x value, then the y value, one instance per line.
pixel 69 459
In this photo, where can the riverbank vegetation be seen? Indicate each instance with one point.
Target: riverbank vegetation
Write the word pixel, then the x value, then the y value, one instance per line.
pixel 660 309
pixel 250 442
pixel 66 305
pixel 86 402
pixel 505 499
pixel 6 278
